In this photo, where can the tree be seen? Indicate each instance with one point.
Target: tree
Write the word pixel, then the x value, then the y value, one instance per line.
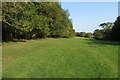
pixel 77 34
pixel 105 25
pixel 99 34
pixel 116 30
pixel 89 35
pixel 105 33
pixel 35 19
pixel 82 34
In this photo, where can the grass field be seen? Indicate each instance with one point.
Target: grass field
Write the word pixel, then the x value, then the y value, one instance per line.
pixel 60 58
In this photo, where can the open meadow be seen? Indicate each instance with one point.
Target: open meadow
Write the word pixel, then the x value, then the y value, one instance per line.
pixel 60 58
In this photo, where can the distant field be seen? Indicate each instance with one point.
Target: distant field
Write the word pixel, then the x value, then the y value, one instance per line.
pixel 60 58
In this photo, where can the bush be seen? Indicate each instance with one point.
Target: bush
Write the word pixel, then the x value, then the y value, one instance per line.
pixel 82 34
pixel 99 34
pixel 89 35
pixel 77 34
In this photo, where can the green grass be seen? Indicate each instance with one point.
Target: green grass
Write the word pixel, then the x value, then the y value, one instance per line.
pixel 60 58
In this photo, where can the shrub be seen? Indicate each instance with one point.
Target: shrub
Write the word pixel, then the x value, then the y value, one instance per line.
pixel 89 35
pixel 99 34
pixel 82 34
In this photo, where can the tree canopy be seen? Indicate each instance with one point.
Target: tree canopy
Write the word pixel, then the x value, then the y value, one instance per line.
pixel 110 31
pixel 27 20
pixel 116 30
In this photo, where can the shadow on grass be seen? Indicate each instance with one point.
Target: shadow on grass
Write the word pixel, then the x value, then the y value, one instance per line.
pixel 18 41
pixel 15 41
pixel 101 42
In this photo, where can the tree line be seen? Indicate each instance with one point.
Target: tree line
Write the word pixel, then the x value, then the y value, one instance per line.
pixel 31 20
pixel 84 34
pixel 110 31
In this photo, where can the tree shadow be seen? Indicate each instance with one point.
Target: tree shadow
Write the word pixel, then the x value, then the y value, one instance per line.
pixel 15 41
pixel 19 41
pixel 101 42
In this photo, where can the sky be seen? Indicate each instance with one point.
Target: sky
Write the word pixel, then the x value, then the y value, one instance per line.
pixel 86 16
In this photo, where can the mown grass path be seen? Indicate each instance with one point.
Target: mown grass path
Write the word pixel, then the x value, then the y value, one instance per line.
pixel 60 58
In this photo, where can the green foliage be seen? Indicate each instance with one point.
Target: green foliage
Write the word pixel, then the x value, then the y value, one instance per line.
pixel 89 35
pixel 105 25
pixel 105 33
pixel 82 34
pixel 116 30
pixel 77 34
pixel 23 20
pixel 99 34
